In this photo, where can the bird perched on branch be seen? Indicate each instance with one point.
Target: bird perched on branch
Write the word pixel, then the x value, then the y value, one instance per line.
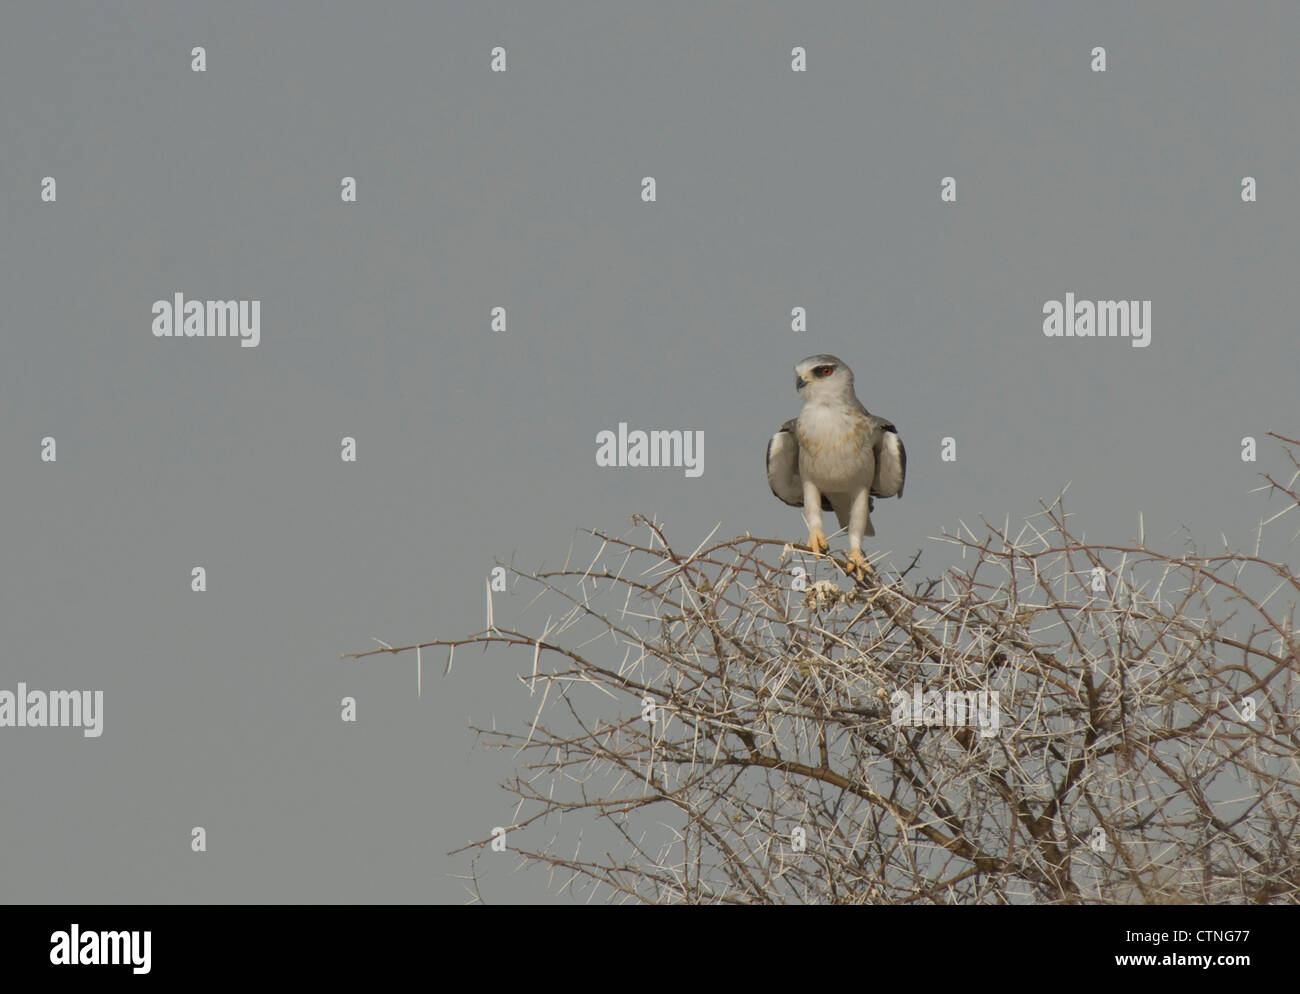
pixel 835 455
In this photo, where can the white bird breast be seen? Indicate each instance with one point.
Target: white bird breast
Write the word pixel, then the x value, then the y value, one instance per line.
pixel 833 452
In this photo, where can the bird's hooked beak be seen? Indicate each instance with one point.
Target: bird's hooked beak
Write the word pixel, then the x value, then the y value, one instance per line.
pixel 799 382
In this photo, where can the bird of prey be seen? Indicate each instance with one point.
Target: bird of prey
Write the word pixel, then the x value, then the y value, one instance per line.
pixel 835 455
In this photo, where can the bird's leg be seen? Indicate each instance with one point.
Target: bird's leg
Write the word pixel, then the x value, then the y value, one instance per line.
pixel 859 525
pixel 812 517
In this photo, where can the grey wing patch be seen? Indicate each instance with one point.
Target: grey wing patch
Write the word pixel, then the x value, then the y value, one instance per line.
pixel 891 461
pixel 783 467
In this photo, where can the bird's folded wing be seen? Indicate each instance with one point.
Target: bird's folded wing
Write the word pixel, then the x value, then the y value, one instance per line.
pixel 891 461
pixel 783 467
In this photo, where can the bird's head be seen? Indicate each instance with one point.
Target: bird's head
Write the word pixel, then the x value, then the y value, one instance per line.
pixel 823 377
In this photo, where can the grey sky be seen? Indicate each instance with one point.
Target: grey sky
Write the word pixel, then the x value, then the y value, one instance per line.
pixel 476 189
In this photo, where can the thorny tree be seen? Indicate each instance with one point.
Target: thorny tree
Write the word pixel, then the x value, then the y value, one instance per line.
pixel 1142 745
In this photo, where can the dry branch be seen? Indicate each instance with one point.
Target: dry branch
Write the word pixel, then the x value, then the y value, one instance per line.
pixel 1145 747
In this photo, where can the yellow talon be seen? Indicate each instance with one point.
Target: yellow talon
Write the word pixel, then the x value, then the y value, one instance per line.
pixel 858 564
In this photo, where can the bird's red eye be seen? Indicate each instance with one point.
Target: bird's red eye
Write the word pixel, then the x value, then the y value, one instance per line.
pixel 824 370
